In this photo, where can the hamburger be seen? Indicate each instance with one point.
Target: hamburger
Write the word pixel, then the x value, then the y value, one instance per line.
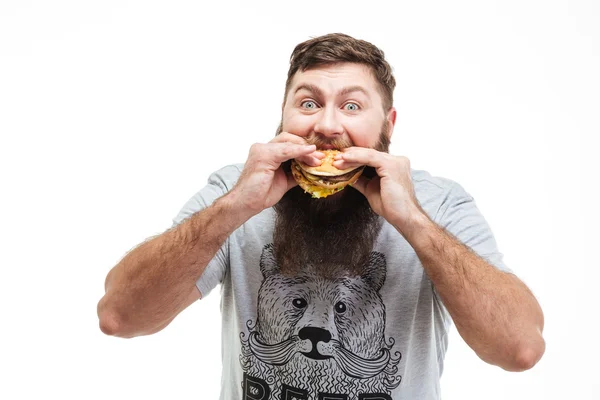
pixel 324 180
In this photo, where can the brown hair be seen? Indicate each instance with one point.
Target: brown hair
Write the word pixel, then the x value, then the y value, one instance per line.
pixel 337 48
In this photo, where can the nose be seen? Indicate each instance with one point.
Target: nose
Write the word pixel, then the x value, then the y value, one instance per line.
pixel 329 124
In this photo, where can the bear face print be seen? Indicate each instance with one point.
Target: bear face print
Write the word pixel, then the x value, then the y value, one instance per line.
pixel 320 335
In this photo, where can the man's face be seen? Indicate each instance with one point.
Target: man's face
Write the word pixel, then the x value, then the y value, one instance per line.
pixel 337 106
pixel 334 106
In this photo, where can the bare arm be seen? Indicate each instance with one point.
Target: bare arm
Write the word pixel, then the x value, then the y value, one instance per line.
pixel 494 312
pixel 156 281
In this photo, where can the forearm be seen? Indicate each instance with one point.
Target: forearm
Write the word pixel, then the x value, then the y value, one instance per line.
pixel 494 312
pixel 151 284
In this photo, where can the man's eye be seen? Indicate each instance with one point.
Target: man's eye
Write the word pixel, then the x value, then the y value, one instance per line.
pixel 309 104
pixel 351 106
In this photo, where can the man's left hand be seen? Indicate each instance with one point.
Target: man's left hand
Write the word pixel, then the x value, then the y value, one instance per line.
pixel 391 193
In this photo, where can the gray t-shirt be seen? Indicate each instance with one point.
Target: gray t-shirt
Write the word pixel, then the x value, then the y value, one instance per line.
pixel 382 335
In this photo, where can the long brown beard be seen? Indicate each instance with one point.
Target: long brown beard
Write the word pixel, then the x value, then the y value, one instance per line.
pixel 333 236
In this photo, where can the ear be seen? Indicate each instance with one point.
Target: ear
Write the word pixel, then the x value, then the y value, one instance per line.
pixel 391 119
pixel 268 265
pixel 376 270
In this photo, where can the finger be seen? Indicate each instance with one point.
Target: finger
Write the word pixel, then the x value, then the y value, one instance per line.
pixel 343 164
pixel 340 163
pixel 288 137
pixel 363 156
pixel 312 159
pixel 347 150
pixel 291 182
pixel 281 152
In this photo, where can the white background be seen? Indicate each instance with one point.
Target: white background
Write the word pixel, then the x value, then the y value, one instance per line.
pixel 113 114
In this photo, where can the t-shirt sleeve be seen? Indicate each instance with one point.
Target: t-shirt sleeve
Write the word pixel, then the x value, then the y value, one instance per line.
pixel 219 183
pixel 460 216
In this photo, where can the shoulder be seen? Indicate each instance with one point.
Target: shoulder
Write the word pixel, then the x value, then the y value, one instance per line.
pixel 436 192
pixel 226 177
pixel 427 181
pixel 436 185
pixel 219 182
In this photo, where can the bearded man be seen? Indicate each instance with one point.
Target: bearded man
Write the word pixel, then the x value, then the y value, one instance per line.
pixel 350 296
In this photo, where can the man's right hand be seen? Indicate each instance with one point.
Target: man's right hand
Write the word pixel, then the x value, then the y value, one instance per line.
pixel 263 182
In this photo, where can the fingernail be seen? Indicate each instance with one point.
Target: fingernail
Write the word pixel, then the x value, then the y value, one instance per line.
pixel 318 154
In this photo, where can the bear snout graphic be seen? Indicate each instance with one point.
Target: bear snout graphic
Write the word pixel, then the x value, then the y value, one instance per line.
pixel 315 335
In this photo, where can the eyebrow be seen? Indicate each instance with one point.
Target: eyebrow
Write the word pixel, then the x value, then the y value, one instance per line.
pixel 342 92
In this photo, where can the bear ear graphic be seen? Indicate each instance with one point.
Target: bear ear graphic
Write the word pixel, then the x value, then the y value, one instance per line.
pixel 268 265
pixel 376 270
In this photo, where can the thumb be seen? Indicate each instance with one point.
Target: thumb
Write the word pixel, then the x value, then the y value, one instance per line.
pixel 291 182
pixel 361 184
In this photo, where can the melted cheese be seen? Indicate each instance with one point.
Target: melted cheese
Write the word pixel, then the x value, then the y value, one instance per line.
pixel 321 192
